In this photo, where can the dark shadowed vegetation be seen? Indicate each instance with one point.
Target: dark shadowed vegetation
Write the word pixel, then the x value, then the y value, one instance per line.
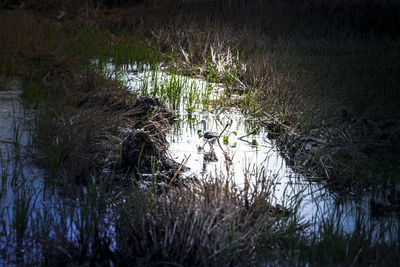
pixel 323 75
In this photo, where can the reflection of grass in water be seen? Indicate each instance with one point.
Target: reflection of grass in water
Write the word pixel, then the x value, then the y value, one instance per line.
pixel 4 161
pixel 329 243
pixel 17 134
pixel 22 212
pixel 212 218
pixel 215 201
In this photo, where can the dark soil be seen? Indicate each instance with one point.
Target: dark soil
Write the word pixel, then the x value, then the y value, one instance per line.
pixel 345 151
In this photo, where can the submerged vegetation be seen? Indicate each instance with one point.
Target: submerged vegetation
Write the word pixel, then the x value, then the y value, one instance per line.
pixel 322 76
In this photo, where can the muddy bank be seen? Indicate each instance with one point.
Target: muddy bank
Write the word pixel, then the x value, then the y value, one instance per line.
pixel 89 125
pixel 86 126
pixel 335 148
pixel 344 151
pixel 134 143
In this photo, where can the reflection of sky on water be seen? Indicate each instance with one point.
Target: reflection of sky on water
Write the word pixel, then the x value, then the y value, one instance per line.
pixel 240 160
pixel 23 184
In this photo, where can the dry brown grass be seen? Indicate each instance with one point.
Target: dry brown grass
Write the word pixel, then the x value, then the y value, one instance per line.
pixel 297 71
pixel 304 77
pixel 83 117
pixel 308 64
pixel 206 224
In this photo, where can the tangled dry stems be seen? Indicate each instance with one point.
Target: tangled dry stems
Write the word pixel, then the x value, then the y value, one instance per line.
pixel 196 225
pixel 96 130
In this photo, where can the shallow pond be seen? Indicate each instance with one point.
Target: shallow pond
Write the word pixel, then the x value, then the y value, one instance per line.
pixel 243 153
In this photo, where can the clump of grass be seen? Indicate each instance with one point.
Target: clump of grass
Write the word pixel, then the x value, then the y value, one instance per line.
pixel 35 93
pixel 332 244
pixel 4 163
pixel 209 223
pixel 63 85
pixel 288 71
pixel 297 76
pixel 177 91
pixel 22 210
pixel 124 49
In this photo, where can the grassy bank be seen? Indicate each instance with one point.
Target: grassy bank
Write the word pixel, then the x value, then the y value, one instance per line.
pixel 322 70
pixel 325 81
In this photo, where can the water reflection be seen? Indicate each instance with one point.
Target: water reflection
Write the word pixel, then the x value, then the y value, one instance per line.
pixel 31 206
pixel 244 153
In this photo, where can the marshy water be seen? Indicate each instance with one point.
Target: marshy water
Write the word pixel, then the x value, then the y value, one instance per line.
pixel 22 184
pixel 18 175
pixel 30 204
pixel 244 154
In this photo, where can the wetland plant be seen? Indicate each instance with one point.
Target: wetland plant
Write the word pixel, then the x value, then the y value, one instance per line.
pixel 211 222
